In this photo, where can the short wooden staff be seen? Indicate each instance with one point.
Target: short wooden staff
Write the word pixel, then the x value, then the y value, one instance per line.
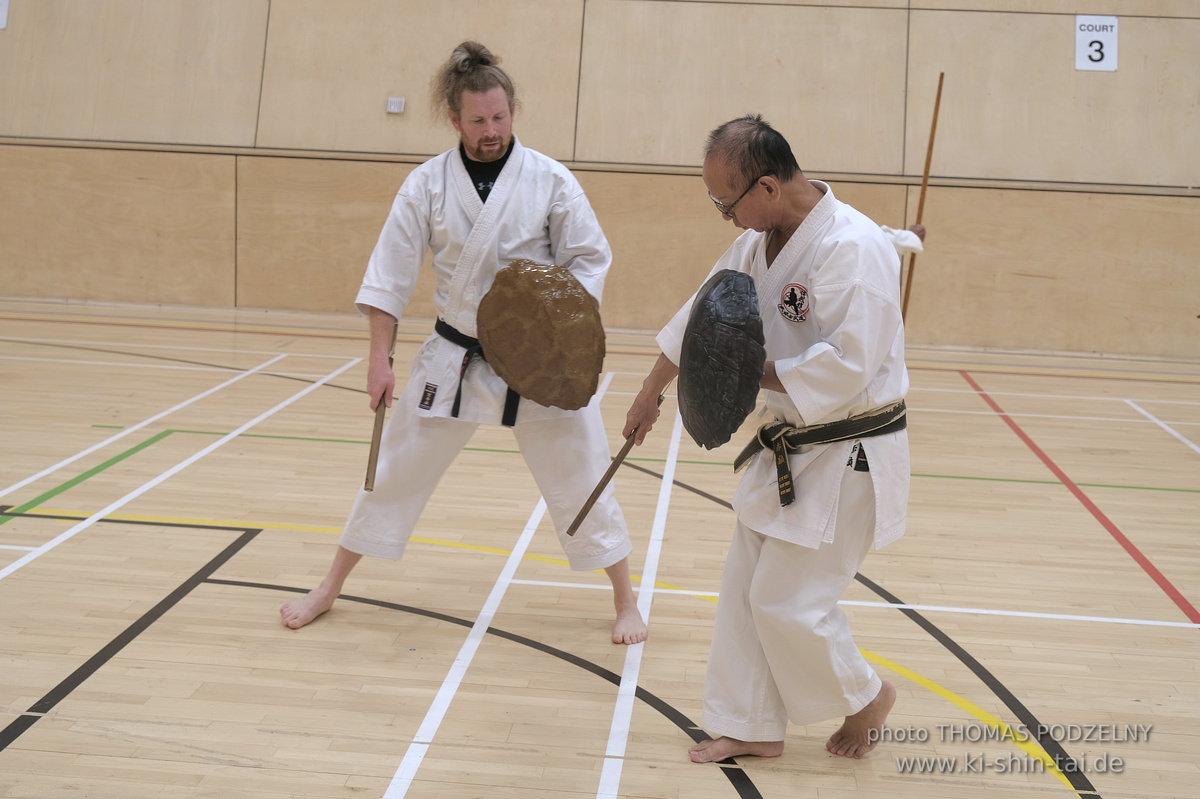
pixel 608 475
pixel 377 432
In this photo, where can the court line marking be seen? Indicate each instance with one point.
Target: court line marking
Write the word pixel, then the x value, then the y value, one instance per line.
pixel 139 345
pixel 1163 425
pixel 1148 567
pixel 713 595
pixel 166 366
pixel 137 492
pixel 618 734
pixel 140 425
pixel 1032 395
pixel 415 754
pixel 1116 420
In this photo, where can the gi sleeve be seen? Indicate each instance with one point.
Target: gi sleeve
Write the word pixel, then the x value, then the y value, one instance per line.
pixel 577 240
pixel 395 262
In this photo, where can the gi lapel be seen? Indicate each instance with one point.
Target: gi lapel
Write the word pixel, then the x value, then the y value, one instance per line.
pixel 802 246
pixel 481 244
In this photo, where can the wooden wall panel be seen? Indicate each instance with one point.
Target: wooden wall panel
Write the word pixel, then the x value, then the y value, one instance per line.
pixel 1056 271
pixel 1014 106
pixel 657 77
pixel 306 228
pixel 117 226
pixel 163 71
pixel 329 73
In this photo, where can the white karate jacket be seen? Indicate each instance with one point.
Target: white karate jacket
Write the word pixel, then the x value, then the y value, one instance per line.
pixel 830 305
pixel 536 210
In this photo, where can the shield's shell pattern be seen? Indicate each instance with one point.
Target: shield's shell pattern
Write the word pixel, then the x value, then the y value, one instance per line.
pixel 541 331
pixel 722 360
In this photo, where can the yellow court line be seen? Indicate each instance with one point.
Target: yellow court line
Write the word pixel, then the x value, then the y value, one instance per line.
pixel 1019 739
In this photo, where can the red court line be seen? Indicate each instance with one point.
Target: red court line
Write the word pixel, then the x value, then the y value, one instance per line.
pixel 1114 531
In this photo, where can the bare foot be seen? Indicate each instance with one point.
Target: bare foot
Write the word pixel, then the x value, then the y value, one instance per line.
pixel 722 748
pixel 629 627
pixel 302 610
pixel 853 738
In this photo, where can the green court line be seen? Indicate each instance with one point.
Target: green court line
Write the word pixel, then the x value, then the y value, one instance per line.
pixel 310 439
pixel 74 481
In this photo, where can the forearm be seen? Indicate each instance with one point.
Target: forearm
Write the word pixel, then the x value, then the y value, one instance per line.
pixel 383 333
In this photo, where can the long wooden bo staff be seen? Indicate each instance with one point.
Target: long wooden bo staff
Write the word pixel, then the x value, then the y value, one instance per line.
pixel 377 432
pixel 608 475
pixel 912 258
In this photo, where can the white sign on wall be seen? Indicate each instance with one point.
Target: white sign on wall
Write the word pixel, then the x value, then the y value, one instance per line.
pixel 3 14
pixel 1096 43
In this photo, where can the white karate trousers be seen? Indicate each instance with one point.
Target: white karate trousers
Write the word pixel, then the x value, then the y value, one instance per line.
pixel 782 649
pixel 567 457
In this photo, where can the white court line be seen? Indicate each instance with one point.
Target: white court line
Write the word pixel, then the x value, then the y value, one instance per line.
pixel 167 366
pixel 139 346
pixel 403 778
pixel 415 754
pixel 597 586
pixel 1163 425
pixel 123 364
pixel 891 606
pixel 1082 398
pixel 1125 420
pixel 1023 614
pixel 137 492
pixel 618 734
pixel 14 546
pixel 138 426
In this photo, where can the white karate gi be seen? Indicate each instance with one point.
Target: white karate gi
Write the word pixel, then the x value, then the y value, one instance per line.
pixel 536 210
pixel 782 650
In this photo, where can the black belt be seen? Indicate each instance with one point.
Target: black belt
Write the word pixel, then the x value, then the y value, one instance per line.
pixel 474 348
pixel 782 438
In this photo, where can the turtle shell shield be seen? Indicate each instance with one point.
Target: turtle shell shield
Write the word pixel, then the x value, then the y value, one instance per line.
pixel 722 360
pixel 541 331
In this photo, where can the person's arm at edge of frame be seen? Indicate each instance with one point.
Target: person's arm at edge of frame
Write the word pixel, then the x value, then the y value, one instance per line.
pixel 643 413
pixel 381 379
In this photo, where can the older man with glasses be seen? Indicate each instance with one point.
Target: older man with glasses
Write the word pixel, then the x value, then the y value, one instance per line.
pixel 827 282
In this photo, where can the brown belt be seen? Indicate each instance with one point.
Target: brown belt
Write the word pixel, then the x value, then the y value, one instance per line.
pixel 782 438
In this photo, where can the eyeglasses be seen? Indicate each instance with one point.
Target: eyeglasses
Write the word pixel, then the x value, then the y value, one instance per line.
pixel 727 210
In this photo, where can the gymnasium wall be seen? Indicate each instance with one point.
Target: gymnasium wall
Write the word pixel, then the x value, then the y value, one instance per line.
pixel 227 153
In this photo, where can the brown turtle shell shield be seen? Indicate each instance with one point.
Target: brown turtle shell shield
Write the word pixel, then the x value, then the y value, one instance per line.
pixel 722 360
pixel 540 330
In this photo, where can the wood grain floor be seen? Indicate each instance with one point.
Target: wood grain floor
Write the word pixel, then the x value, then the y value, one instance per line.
pixel 171 476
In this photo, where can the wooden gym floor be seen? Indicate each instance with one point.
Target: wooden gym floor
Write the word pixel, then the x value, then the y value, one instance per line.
pixel 171 476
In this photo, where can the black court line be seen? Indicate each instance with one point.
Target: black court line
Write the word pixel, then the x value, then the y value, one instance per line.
pixel 1079 782
pixel 738 778
pixel 59 692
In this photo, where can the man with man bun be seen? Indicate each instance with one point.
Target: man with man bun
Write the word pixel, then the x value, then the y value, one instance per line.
pixel 827 286
pixel 478 207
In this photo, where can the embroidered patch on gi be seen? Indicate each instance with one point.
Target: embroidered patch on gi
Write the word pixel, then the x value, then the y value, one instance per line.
pixel 793 302
pixel 427 397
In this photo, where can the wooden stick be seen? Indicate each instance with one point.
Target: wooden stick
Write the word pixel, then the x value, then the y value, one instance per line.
pixel 377 432
pixel 912 258
pixel 608 475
